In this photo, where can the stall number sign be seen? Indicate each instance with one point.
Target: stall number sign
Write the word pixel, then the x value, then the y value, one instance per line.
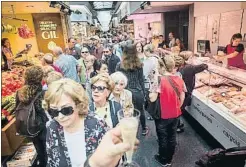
pixel 49 31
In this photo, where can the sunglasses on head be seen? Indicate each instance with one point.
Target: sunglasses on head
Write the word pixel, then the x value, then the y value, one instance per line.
pixel 65 111
pixel 99 88
pixel 84 52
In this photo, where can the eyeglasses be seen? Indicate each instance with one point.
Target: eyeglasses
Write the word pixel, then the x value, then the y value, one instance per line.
pixel 84 52
pixel 105 51
pixel 65 111
pixel 99 88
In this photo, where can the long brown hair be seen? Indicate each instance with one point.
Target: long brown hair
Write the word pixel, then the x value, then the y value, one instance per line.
pixel 130 60
pixel 33 79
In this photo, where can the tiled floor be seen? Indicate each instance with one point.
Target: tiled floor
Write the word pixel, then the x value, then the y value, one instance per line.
pixel 191 145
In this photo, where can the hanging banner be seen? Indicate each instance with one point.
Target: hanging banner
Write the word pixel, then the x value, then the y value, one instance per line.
pixel 48 28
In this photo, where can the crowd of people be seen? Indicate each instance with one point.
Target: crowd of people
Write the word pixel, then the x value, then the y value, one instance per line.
pixel 80 89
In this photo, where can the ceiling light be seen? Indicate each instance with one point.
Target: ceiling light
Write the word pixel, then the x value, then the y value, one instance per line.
pixel 29 6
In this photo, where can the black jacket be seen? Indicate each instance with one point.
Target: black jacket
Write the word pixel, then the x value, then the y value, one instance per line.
pixel 189 75
pixel 135 79
pixel 112 61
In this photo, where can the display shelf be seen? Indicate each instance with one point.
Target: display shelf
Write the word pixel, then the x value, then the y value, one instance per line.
pixel 227 130
pixel 235 74
pixel 223 111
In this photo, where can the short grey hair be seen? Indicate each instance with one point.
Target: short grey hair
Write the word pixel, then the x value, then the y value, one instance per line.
pixel 57 50
pixel 119 76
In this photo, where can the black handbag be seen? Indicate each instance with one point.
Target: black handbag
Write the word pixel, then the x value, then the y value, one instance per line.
pixel 154 108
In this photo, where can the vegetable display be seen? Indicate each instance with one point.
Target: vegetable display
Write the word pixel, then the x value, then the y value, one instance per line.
pixel 11 82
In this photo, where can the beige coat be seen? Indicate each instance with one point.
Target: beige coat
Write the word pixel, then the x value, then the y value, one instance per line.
pixel 125 99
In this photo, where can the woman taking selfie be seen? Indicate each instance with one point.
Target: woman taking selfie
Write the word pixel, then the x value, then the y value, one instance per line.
pixel 67 104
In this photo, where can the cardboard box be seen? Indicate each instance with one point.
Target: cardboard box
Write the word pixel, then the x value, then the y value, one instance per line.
pixel 25 156
pixel 10 142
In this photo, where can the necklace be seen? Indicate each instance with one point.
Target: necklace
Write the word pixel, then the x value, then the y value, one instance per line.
pixel 102 111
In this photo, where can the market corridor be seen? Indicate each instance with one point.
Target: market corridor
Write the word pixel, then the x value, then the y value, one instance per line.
pixel 191 144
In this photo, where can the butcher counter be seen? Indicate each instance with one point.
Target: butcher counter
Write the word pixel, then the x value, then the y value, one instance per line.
pixel 219 103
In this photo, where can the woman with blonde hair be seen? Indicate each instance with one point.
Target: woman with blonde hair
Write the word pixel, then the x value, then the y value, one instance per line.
pixel 102 86
pixel 46 71
pixel 53 76
pixel 67 104
pixel 132 67
pixel 120 94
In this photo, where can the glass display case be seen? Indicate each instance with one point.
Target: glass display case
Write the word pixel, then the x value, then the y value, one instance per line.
pixel 219 103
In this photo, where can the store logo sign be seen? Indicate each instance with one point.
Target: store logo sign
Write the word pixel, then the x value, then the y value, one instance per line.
pixel 203 115
pixel 231 138
pixel 49 31
pixel 49 35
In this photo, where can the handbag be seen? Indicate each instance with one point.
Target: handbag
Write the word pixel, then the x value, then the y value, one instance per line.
pixel 154 108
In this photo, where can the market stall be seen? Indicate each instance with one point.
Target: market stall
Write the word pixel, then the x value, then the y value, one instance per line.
pixel 30 30
pixel 219 103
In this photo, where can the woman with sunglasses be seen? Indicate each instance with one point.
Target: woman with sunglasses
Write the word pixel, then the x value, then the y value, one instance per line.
pixel 84 53
pixel 120 94
pixel 102 86
pixel 72 135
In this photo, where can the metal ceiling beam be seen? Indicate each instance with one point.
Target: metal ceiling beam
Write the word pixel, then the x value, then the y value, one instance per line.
pixel 104 9
pixel 91 3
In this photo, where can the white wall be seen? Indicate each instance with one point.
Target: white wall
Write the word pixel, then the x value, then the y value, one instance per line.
pixel 206 8
pixel 217 22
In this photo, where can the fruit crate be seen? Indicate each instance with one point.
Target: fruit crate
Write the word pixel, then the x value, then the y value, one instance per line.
pixel 10 141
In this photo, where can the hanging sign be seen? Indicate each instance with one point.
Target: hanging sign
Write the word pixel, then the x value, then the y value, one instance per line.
pixel 48 28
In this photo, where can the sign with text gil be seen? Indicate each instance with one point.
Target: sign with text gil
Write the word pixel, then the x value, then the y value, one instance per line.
pixel 49 33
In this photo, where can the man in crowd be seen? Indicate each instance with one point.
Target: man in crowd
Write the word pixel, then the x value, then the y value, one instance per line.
pixel 98 52
pixel 111 59
pixel 91 47
pixel 72 50
pixel 162 44
pixel 68 64
pixel 171 39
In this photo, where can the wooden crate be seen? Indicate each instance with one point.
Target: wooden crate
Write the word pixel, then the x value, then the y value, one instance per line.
pixel 10 142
